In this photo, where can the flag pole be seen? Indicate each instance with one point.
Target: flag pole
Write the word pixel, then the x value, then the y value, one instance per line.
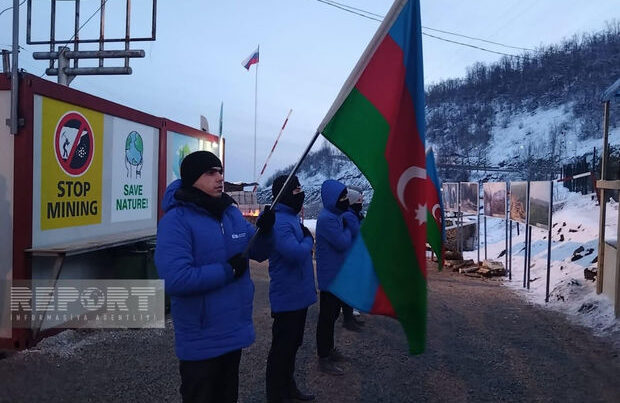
pixel 260 175
pixel 221 117
pixel 255 109
pixel 246 251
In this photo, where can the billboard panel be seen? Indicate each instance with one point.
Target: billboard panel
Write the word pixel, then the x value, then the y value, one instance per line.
pixel 134 171
pixel 540 204
pixel 494 199
pixel 451 196
pixel 71 165
pixel 94 174
pixel 180 145
pixel 518 201
pixel 469 197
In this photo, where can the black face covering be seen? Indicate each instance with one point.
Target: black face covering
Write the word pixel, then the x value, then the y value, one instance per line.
pixel 214 205
pixel 342 205
pixel 357 207
pixel 294 201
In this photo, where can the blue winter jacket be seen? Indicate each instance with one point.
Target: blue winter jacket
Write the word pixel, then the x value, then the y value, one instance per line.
pixel 290 264
pixel 211 311
pixel 335 231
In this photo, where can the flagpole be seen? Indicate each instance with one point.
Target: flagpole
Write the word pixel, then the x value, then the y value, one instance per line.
pixel 246 251
pixel 255 109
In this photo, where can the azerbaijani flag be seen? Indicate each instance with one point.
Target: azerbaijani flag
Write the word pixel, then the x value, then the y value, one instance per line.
pixel 435 227
pixel 250 60
pixel 377 120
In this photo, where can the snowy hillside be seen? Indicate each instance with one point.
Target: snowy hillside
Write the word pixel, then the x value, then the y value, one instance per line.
pixel 574 246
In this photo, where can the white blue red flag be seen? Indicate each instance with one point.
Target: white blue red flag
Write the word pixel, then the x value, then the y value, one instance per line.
pixel 250 60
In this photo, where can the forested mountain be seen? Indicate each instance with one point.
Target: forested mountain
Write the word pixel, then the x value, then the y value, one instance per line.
pixel 530 115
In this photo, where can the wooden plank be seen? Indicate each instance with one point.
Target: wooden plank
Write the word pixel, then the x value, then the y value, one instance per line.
pixel 605 184
pixel 76 248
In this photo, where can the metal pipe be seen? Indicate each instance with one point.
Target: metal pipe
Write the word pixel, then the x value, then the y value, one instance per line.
pixel 101 29
pixel 529 256
pixel 90 54
pixel 6 62
pixel 549 244
pixel 91 71
pixel 76 30
pixel 509 265
pixel 52 40
pixel 600 264
pixel 14 70
pixel 154 21
pixel 127 29
pixel 478 224
pixel 485 238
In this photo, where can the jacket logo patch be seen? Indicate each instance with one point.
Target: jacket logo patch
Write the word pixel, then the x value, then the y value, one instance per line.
pixel 237 236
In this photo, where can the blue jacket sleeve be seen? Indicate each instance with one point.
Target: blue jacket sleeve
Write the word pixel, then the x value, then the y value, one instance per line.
pixel 263 244
pixel 351 222
pixel 336 234
pixel 287 245
pixel 175 262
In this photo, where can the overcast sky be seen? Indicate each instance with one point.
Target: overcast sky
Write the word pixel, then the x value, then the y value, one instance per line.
pixel 307 49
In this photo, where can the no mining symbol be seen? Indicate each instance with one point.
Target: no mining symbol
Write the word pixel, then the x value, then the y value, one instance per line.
pixel 74 143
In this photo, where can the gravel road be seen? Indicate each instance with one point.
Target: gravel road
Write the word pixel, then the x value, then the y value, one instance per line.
pixel 484 344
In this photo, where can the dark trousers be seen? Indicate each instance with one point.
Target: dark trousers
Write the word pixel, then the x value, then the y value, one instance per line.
pixel 329 310
pixel 212 380
pixel 347 312
pixel 287 335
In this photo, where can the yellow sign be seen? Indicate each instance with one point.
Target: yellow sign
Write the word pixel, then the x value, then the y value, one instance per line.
pixel 71 165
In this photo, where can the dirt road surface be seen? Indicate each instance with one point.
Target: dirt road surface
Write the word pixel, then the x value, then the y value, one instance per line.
pixel 484 344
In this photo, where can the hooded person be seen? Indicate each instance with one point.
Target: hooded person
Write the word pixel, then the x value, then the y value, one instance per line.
pixel 336 228
pixel 200 240
pixel 356 200
pixel 291 290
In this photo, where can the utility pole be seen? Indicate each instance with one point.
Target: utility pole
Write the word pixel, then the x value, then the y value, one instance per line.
pixel 14 120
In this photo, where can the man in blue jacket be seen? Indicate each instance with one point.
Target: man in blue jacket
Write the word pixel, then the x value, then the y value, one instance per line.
pixel 336 229
pixel 291 290
pixel 200 241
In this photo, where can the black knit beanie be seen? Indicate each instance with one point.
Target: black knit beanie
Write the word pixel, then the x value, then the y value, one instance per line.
pixel 195 164
pixel 279 182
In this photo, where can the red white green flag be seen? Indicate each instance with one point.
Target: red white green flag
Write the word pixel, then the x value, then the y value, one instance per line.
pixel 378 122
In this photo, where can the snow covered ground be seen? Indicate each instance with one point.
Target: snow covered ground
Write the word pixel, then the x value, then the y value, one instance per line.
pixel 576 222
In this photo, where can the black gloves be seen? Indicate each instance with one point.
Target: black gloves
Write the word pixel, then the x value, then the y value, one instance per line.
pixel 239 264
pixel 307 232
pixel 266 220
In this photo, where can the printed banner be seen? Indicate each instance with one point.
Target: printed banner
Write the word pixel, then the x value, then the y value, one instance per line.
pixel 71 165
pixel 134 153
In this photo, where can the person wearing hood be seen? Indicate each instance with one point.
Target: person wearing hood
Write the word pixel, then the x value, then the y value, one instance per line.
pixel 336 229
pixel 200 241
pixel 349 320
pixel 291 290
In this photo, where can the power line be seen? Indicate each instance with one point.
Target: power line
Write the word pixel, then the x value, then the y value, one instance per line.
pixel 331 2
pixel 352 10
pixel 372 16
pixel 10 7
pixel 472 46
pixel 477 39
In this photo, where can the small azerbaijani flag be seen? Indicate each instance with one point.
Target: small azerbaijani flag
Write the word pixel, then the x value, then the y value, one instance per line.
pixel 250 60
pixel 377 120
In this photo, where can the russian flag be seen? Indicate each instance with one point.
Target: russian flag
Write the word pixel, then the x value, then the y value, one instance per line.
pixel 250 60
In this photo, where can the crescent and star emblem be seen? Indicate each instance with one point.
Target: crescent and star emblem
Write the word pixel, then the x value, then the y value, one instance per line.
pixel 413 172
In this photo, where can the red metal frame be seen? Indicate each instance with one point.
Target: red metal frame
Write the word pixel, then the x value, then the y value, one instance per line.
pixel 30 86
